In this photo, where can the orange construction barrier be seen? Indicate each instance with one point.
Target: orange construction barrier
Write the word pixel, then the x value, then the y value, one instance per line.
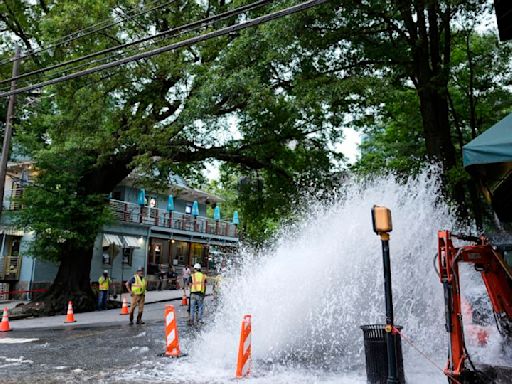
pixel 4 325
pixel 172 340
pixel 124 308
pixel 70 318
pixel 243 366
pixel 184 300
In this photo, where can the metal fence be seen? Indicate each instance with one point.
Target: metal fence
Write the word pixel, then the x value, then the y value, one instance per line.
pixel 133 213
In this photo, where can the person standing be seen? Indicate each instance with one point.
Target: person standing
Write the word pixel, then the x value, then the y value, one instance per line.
pixel 186 278
pixel 162 276
pixel 137 288
pixel 197 292
pixel 104 285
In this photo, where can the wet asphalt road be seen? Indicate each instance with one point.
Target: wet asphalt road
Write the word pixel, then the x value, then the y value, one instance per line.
pixel 84 353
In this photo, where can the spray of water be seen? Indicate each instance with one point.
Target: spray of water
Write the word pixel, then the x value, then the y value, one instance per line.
pixel 309 295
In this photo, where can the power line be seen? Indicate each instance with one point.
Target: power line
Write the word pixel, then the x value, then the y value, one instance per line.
pixel 171 32
pixel 86 32
pixel 185 43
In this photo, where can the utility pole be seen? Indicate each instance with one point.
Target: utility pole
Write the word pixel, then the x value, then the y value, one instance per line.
pixel 8 129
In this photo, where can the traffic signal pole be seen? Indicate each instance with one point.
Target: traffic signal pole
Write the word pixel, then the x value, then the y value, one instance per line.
pixel 382 225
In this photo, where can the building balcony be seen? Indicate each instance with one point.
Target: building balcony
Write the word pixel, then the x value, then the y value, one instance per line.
pixel 10 268
pixel 132 213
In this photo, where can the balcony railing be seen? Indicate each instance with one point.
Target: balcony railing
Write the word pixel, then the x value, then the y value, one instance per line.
pixel 10 267
pixel 133 213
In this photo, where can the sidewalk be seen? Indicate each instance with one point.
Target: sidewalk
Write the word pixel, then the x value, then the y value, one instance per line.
pixel 98 318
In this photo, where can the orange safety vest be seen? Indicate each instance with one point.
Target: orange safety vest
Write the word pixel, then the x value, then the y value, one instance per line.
pixel 198 283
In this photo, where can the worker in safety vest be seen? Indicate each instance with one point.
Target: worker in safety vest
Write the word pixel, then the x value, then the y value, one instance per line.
pixel 104 285
pixel 197 292
pixel 137 287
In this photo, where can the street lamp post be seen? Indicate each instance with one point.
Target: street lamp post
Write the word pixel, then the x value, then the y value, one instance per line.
pixel 382 225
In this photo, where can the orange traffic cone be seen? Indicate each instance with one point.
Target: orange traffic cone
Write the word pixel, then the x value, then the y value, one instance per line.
pixel 4 325
pixel 172 341
pixel 184 300
pixel 70 318
pixel 124 308
pixel 243 366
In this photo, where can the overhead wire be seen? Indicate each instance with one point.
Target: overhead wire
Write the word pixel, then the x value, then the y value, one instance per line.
pixel 177 31
pixel 78 34
pixel 171 47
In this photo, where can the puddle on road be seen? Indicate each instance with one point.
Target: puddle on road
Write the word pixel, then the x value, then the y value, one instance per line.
pixel 13 340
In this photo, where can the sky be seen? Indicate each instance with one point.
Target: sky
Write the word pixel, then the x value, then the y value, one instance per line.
pixel 349 147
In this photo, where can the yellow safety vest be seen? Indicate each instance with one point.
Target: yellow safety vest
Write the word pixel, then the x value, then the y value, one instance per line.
pixel 139 287
pixel 104 283
pixel 198 280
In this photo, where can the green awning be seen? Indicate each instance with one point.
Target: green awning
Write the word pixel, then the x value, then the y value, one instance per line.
pixel 489 159
pixel 492 146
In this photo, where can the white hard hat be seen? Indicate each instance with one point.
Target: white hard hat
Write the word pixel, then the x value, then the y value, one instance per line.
pixel 105 271
pixel 197 266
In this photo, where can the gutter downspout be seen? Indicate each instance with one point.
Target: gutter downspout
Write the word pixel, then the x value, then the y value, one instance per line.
pixel 146 251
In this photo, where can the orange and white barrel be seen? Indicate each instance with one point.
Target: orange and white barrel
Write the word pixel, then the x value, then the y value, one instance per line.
pixel 243 367
pixel 172 341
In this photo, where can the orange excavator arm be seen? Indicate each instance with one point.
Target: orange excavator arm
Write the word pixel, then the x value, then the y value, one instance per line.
pixel 497 277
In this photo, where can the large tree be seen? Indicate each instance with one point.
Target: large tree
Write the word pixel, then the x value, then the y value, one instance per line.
pixel 288 87
pixel 160 115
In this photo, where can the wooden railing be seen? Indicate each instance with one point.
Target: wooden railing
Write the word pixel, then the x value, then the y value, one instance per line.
pixel 133 213
pixel 10 268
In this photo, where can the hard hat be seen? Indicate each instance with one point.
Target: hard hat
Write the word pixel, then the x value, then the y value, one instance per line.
pixel 140 269
pixel 197 266
pixel 105 271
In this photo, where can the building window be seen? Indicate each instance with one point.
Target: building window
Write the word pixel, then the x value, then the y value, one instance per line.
pixel 179 252
pixel 106 256
pixel 109 253
pixel 197 253
pixel 15 246
pixel 156 252
pixel 127 256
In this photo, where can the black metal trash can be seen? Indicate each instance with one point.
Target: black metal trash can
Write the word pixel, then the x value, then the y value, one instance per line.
pixel 375 350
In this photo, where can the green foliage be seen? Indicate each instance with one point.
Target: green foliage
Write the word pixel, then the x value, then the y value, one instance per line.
pixel 250 100
pixel 55 209
pixel 394 140
pixel 269 102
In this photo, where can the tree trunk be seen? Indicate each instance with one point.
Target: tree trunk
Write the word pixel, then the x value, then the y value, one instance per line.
pixel 72 282
pixel 436 125
pixel 73 277
pixel 434 106
pixel 430 74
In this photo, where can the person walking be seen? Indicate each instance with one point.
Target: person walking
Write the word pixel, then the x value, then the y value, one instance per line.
pixel 137 288
pixel 104 285
pixel 186 279
pixel 197 292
